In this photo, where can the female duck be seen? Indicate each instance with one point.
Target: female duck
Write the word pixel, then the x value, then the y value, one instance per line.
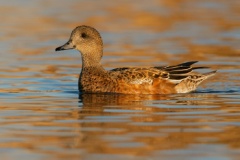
pixel 128 80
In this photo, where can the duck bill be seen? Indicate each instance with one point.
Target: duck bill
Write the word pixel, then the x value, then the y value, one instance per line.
pixel 66 46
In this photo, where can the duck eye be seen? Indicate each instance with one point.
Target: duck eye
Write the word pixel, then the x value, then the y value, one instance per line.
pixel 83 35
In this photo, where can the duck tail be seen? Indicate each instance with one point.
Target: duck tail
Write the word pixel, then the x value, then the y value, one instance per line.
pixel 209 74
pixel 190 83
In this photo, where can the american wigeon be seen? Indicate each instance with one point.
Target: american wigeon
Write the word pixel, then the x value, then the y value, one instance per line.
pixel 128 80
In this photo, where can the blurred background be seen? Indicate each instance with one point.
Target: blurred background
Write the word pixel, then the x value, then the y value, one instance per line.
pixel 43 117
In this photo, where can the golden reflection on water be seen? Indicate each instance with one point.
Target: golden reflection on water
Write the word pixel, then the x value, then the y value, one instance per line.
pixel 119 124
pixel 42 117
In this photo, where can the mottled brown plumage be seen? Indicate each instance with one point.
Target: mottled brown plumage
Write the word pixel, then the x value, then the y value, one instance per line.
pixel 128 80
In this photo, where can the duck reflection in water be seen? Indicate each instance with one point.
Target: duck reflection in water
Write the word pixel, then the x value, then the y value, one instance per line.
pixel 142 102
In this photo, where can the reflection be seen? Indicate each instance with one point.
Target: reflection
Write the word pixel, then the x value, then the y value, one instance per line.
pixel 118 99
pixel 105 99
pixel 136 125
pixel 92 103
pixel 141 124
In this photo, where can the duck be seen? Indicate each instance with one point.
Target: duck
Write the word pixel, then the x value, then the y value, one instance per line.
pixel 94 78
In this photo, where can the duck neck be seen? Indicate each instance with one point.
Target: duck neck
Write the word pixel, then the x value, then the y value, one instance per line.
pixel 90 62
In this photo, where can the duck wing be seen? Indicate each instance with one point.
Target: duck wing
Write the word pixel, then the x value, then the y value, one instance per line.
pixel 174 74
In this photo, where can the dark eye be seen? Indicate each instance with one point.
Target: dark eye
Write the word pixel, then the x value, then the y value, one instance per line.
pixel 83 35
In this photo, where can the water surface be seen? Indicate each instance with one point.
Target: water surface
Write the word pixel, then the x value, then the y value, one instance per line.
pixel 42 115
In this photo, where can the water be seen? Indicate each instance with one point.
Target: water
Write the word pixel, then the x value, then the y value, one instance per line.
pixel 43 116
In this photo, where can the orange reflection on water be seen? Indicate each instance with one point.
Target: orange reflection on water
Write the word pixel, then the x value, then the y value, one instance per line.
pixel 117 124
